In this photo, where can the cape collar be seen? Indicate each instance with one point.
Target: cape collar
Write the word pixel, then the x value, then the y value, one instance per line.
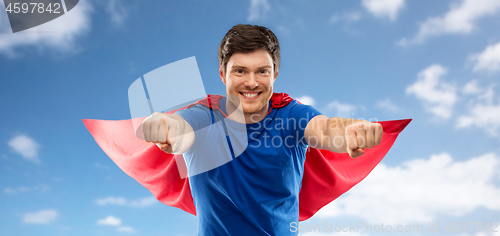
pixel 213 101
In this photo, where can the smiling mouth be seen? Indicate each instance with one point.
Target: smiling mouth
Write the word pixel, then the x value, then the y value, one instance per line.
pixel 250 95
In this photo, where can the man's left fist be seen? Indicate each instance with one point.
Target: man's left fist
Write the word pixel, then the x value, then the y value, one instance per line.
pixel 362 135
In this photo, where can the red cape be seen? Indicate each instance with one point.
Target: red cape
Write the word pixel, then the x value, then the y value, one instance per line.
pixel 327 175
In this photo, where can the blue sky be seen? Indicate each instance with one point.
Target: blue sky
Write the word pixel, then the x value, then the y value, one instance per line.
pixel 437 62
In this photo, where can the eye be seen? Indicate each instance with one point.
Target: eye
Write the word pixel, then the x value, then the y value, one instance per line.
pixel 239 71
pixel 263 71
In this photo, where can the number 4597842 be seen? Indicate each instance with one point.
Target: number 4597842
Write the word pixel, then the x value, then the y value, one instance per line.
pixel 478 225
pixel 25 8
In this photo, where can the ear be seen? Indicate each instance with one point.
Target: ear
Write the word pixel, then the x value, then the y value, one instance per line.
pixel 276 75
pixel 221 74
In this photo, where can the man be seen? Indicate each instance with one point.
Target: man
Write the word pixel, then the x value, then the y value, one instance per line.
pixel 256 192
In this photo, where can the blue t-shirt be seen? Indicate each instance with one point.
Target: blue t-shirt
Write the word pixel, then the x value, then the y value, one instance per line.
pixel 256 190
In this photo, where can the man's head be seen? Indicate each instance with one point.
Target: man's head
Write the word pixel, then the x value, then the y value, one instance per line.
pixel 249 58
pixel 248 38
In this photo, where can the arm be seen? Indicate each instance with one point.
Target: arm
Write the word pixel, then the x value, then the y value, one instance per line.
pixel 170 132
pixel 342 135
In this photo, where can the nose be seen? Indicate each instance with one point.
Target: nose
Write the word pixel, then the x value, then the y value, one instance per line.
pixel 251 82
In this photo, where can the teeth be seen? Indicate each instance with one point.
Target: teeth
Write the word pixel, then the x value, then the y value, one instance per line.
pixel 250 95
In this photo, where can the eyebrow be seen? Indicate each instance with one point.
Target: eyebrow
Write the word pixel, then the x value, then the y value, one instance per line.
pixel 243 67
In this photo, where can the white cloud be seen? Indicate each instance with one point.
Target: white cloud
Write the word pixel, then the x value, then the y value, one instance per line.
pixel 471 88
pixel 258 9
pixel 114 221
pixel 493 232
pixel 420 190
pixel 384 8
pixel 117 11
pixel 41 217
pixel 483 113
pixel 438 96
pixel 143 202
pixel 126 229
pixel 488 60
pixel 26 147
pixel 58 35
pixel 488 95
pixel 387 104
pixel 12 191
pixel 347 17
pixel 486 116
pixel 110 220
pixel 111 201
pixel 121 201
pixel 306 100
pixel 340 109
pixel 460 19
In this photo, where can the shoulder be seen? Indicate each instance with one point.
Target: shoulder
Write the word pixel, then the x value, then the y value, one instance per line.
pixel 294 105
pixel 194 109
pixel 297 111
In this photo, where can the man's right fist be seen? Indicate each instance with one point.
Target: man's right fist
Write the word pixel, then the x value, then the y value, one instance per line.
pixel 161 129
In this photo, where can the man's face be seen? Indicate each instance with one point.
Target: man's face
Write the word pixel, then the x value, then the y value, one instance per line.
pixel 250 78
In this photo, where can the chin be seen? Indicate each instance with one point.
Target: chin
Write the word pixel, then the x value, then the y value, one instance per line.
pixel 249 109
pixel 253 108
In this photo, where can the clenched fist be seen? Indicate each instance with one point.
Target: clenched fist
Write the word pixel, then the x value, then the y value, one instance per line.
pixel 163 130
pixel 362 135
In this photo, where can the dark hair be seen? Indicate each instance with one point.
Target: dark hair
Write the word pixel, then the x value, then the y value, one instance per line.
pixel 248 38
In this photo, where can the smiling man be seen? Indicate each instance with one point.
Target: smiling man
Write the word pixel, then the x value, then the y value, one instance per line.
pixel 257 191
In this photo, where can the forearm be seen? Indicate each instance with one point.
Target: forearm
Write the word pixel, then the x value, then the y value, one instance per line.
pixel 185 135
pixel 343 135
pixel 329 133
